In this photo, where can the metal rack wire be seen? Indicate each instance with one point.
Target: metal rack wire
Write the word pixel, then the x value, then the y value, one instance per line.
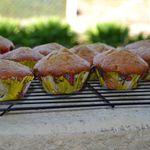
pixel 91 96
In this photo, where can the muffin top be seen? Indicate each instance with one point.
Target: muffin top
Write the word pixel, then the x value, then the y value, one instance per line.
pixel 5 45
pixel 60 62
pixel 121 61
pixel 45 49
pixel 13 70
pixel 100 47
pixel 84 52
pixel 22 54
pixel 141 48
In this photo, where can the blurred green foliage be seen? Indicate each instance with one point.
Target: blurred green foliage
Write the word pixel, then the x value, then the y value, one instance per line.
pixel 138 37
pixel 39 32
pixel 112 33
pixel 8 27
pixel 52 30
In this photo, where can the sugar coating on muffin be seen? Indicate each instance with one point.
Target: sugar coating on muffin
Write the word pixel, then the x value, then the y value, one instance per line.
pixel 100 47
pixel 62 72
pixel 119 69
pixel 23 55
pixel 45 49
pixel 84 52
pixel 14 80
pixel 141 48
pixel 5 45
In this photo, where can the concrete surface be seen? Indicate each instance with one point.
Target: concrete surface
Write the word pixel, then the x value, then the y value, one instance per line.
pixel 106 129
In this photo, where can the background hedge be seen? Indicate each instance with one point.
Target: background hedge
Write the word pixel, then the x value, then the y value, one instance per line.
pixel 39 32
pixel 53 30
pixel 113 33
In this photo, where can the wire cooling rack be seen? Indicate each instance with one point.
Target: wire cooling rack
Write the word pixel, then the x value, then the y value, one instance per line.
pixel 92 95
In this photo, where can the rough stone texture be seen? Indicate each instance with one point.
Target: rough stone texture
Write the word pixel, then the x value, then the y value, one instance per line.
pixel 107 129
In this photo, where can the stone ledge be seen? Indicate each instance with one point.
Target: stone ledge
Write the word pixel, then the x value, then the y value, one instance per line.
pixel 78 130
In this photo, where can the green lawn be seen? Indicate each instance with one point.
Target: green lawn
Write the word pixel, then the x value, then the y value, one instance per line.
pixel 32 8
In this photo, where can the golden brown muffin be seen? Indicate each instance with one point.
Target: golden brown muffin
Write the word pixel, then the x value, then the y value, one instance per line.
pixel 84 52
pixel 23 55
pixel 100 47
pixel 119 69
pixel 141 48
pixel 88 54
pixel 45 49
pixel 5 45
pixel 62 72
pixel 14 79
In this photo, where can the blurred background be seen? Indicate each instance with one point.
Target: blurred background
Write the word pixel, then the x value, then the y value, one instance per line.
pixel 71 22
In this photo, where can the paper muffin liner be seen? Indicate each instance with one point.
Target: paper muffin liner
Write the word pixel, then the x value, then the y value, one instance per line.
pixel 64 84
pixel 12 89
pixel 147 76
pixel 92 75
pixel 29 64
pixel 114 80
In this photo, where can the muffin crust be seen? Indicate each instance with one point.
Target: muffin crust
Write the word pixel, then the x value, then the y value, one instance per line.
pixel 22 54
pixel 121 61
pixel 100 47
pixel 60 62
pixel 13 70
pixel 84 52
pixel 45 49
pixel 5 45
pixel 141 48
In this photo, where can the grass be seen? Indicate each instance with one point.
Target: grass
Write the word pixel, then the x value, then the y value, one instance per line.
pixel 32 8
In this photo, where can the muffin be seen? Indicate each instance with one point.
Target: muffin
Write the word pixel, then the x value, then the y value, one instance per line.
pixel 14 80
pixel 62 72
pixel 119 69
pixel 142 48
pixel 5 45
pixel 88 54
pixel 45 49
pixel 85 52
pixel 23 55
pixel 100 47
